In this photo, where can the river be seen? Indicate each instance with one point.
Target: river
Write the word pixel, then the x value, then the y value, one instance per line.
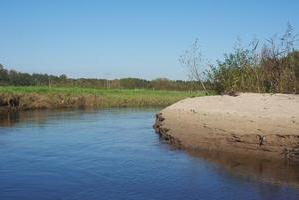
pixel 115 154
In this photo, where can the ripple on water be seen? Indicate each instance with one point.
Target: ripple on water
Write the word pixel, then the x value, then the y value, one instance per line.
pixel 115 154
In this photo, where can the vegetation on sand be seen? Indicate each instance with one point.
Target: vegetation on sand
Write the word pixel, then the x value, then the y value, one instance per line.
pixel 271 67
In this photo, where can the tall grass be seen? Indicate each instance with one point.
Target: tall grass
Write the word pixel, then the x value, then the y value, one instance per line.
pixel 44 97
pixel 274 69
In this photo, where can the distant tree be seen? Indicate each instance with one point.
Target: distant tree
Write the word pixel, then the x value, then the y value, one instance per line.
pixel 132 83
pixel 193 61
pixel 63 77
pixel 4 80
pixel 162 84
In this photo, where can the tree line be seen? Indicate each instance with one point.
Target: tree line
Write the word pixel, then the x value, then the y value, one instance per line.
pixel 15 78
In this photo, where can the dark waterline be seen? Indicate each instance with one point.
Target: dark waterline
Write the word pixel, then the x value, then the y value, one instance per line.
pixel 115 154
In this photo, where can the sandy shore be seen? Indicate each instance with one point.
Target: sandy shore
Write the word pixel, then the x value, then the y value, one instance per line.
pixel 252 124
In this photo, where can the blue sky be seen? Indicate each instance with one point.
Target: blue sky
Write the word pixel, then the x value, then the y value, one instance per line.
pixel 113 39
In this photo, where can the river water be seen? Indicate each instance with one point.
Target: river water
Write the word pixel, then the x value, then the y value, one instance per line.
pixel 115 154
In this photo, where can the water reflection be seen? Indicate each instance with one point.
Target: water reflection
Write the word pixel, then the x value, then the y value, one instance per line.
pixel 40 118
pixel 263 169
pixel 9 119
pixel 275 171
pixel 85 153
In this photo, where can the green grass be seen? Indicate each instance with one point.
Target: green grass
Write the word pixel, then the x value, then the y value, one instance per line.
pixel 37 97
pixel 79 91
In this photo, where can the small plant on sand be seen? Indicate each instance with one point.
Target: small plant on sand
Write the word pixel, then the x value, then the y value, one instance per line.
pixel 193 61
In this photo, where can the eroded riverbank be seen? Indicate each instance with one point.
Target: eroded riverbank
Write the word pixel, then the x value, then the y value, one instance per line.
pixel 261 125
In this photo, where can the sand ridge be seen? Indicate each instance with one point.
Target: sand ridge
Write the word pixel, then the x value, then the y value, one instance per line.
pixel 261 124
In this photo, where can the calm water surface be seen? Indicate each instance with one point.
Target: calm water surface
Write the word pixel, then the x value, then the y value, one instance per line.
pixel 115 154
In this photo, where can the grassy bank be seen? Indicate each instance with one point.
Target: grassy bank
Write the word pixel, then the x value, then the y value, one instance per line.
pixel 25 98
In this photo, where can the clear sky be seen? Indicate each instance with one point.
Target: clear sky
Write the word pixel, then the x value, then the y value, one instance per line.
pixel 113 39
